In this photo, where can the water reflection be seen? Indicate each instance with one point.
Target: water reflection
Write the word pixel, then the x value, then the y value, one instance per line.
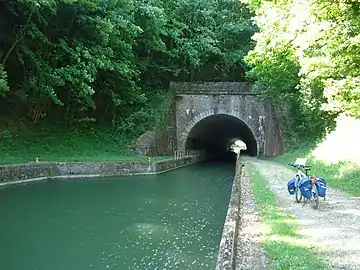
pixel 168 221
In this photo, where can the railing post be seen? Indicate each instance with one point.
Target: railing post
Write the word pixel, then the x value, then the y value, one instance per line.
pixel 186 153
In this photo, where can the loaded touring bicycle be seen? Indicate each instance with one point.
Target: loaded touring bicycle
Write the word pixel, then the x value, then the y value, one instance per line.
pixel 306 187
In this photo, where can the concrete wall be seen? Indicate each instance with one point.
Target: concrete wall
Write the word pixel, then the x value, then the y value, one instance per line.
pixel 11 174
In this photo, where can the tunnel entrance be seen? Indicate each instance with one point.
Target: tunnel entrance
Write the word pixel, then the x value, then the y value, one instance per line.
pixel 214 135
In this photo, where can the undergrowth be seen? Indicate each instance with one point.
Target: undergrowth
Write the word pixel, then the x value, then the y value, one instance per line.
pixel 62 145
pixel 282 241
pixel 84 140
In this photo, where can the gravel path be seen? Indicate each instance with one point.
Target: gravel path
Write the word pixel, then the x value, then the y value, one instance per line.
pixel 334 228
pixel 249 253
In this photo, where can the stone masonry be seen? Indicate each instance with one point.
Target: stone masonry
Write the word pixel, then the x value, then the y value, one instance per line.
pixel 194 102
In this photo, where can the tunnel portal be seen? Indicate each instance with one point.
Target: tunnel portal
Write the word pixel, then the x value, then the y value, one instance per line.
pixel 214 135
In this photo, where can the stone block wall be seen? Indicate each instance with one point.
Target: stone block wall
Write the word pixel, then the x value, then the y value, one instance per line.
pixel 193 108
pixel 27 171
pixel 196 101
pixel 192 102
pixel 41 171
pixel 102 168
pixel 210 87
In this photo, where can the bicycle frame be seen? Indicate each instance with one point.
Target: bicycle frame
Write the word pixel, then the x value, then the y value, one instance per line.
pixel 301 167
pixel 300 173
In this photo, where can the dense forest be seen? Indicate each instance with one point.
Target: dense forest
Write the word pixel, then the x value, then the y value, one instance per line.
pixel 307 55
pixel 105 61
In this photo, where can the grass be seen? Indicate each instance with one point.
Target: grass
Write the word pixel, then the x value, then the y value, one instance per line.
pixel 336 157
pixel 60 145
pixel 51 139
pixel 344 175
pixel 285 247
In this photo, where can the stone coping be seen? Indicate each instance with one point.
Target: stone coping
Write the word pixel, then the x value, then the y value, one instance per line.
pixel 220 93
pixel 227 249
pixel 23 173
pixel 211 86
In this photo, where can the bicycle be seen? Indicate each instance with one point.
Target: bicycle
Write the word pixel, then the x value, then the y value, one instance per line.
pixel 301 179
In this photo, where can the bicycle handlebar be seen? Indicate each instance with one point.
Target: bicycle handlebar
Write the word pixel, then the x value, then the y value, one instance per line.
pixel 305 167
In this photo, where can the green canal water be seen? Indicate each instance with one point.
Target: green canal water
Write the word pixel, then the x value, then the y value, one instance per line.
pixel 168 221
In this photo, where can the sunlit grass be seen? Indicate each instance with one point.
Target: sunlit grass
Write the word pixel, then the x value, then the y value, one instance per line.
pixel 336 158
pixel 62 146
pixel 285 246
pixel 343 175
pixel 340 145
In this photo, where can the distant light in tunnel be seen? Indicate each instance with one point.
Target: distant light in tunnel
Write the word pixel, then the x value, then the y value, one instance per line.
pixel 238 146
pixel 216 134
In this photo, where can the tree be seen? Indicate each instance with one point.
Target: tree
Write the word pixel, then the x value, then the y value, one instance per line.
pixel 307 54
pixel 104 59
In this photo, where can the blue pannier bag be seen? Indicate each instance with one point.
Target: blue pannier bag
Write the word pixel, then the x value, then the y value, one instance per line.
pixel 291 186
pixel 305 187
pixel 321 186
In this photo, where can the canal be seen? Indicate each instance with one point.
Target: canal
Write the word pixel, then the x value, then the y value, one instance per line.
pixel 172 220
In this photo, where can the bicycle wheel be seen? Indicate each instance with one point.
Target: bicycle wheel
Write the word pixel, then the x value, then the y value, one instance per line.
pixel 315 196
pixel 298 195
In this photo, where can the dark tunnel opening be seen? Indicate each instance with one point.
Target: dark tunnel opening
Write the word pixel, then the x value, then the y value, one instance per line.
pixel 214 134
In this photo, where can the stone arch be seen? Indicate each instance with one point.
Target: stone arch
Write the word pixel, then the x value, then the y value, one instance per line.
pixel 211 112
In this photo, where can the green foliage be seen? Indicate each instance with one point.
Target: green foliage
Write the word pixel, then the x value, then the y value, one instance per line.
pixel 72 59
pixel 3 81
pixel 343 175
pixel 55 144
pixel 281 242
pixel 137 123
pixel 307 53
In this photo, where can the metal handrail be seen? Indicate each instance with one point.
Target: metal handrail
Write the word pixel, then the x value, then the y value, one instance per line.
pixel 178 154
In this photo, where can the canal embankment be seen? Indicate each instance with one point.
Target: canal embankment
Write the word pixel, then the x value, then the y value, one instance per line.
pixel 227 249
pixel 36 171
pixel 239 245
